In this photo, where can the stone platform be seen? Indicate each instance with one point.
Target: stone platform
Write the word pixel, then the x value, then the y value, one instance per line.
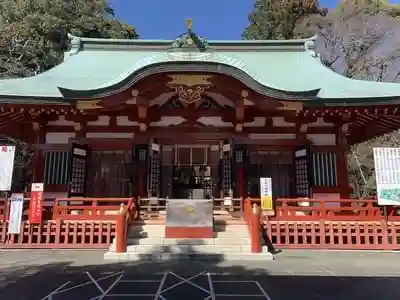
pixel 231 242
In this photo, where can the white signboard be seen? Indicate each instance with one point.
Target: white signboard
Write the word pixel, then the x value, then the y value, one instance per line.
pixel 266 193
pixel 7 154
pixel 16 211
pixel 387 172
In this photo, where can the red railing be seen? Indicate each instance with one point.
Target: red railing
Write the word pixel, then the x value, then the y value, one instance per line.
pixel 91 225
pixel 299 209
pixel 5 209
pixel 298 223
pixel 333 224
pixel 92 209
pixel 348 235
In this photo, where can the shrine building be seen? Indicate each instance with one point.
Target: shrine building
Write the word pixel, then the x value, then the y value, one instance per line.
pixel 191 118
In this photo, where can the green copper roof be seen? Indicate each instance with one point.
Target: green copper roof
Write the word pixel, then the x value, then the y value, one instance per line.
pixel 285 69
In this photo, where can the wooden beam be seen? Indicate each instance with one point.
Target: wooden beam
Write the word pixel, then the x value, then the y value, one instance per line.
pixel 182 129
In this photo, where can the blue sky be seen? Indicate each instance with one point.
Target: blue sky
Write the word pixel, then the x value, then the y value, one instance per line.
pixel 212 19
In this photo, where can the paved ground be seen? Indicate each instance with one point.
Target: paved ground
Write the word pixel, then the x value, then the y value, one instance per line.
pixel 295 275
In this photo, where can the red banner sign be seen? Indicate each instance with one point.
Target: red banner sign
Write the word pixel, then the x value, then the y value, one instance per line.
pixel 36 203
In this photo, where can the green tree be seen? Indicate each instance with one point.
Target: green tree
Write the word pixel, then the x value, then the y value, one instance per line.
pixel 277 19
pixel 33 39
pixel 359 39
pixel 34 32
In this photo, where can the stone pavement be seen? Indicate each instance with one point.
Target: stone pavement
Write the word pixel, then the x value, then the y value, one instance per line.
pixel 294 275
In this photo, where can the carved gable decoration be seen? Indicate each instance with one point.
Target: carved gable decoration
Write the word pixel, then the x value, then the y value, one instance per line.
pixel 189 87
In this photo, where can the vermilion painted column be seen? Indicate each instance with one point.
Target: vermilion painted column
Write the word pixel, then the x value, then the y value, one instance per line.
pixel 120 231
pixel 341 166
pixel 38 157
pixel 240 181
pixel 255 226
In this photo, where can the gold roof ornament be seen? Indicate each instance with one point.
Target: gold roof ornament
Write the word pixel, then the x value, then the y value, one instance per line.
pixel 189 24
pixel 190 39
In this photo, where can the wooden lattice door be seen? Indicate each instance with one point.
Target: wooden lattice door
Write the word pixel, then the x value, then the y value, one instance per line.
pixel 227 169
pixel 140 158
pixel 303 172
pixel 77 172
pixel 154 170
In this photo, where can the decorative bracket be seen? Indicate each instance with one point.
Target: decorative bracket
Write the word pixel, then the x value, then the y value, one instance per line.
pixel 189 87
pixel 240 111
pixel 83 105
pixel 296 106
pixel 133 100
pixel 141 111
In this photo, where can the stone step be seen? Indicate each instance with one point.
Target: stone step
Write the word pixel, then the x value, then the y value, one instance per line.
pixel 133 256
pixel 187 248
pixel 232 234
pixel 153 231
pixel 165 241
pixel 158 234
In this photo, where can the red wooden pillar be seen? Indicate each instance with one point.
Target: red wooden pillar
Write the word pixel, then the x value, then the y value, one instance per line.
pixel 38 157
pixel 341 165
pixel 255 227
pixel 240 182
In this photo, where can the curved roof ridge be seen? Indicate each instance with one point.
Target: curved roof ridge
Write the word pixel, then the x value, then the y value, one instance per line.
pixel 86 42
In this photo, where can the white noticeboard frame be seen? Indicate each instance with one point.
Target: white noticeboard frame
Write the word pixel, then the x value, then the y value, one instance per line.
pixel 266 193
pixel 387 172
pixel 7 155
pixel 16 211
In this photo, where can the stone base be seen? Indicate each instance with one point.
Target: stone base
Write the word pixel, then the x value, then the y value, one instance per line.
pixel 129 256
pixel 189 232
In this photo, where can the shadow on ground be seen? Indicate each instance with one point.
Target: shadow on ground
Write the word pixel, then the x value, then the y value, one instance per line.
pixel 189 278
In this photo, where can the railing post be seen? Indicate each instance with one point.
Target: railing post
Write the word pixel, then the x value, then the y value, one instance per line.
pixel 255 227
pixel 120 231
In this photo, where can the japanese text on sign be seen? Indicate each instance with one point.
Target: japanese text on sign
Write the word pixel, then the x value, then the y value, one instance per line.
pixel 387 172
pixel 16 211
pixel 7 154
pixel 266 193
pixel 36 203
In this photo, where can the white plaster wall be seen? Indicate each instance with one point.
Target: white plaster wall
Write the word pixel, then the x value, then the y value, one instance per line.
pixel 110 135
pixel 320 123
pixel 214 121
pixel 168 121
pixel 280 122
pixel 322 139
pixel 272 136
pixel 59 137
pixel 258 122
pixel 124 121
pixel 101 121
pixel 61 121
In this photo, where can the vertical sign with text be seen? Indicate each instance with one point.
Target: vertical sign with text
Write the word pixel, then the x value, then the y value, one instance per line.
pixel 7 154
pixel 266 193
pixel 16 211
pixel 36 203
pixel 387 172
